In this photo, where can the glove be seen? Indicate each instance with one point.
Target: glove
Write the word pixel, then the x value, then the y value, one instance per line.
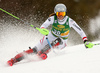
pixel 88 44
pixel 43 31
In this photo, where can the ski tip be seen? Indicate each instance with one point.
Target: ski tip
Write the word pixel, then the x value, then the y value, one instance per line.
pixel 9 63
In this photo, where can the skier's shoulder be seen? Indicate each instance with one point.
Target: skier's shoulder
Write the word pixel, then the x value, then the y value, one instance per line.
pixel 67 18
pixel 71 20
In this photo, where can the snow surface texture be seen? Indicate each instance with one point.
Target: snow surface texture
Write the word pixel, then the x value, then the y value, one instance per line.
pixel 75 59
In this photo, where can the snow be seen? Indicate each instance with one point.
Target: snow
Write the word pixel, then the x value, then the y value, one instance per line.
pixel 73 59
pixel 94 25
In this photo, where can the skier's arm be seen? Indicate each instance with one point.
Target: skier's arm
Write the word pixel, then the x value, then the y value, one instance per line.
pixel 47 22
pixel 75 26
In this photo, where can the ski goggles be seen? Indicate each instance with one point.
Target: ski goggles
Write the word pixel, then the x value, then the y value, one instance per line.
pixel 60 13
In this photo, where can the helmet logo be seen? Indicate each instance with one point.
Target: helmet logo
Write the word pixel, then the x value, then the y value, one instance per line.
pixel 63 9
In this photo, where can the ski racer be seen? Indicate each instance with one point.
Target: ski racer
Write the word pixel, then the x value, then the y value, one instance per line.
pixel 58 35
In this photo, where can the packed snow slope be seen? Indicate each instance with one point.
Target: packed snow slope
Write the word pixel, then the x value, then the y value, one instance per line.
pixel 72 59
pixel 75 59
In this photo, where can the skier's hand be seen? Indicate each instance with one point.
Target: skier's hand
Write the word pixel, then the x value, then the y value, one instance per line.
pixel 44 31
pixel 88 44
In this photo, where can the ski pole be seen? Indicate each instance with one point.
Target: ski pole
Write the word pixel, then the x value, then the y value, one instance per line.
pixel 48 42
pixel 50 45
pixel 97 44
pixel 42 31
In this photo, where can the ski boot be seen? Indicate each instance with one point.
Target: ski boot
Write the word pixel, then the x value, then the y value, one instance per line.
pixel 47 48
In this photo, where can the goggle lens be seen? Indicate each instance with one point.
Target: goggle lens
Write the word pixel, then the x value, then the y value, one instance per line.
pixel 60 13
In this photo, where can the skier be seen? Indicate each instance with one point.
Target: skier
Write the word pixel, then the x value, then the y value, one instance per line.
pixel 58 35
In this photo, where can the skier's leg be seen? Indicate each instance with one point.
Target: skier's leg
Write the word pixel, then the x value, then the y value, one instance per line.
pixel 46 49
pixel 43 42
pixel 36 49
pixel 21 56
pixel 63 45
pixel 43 46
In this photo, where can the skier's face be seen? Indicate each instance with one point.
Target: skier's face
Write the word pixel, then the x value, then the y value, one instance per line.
pixel 60 15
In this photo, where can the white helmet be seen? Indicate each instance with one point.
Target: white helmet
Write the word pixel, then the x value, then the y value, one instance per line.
pixel 60 8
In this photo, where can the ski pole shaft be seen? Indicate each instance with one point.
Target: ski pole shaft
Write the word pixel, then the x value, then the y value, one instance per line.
pixel 97 44
pixel 50 45
pixel 13 15
pixel 48 42
pixel 9 13
pixel 42 31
